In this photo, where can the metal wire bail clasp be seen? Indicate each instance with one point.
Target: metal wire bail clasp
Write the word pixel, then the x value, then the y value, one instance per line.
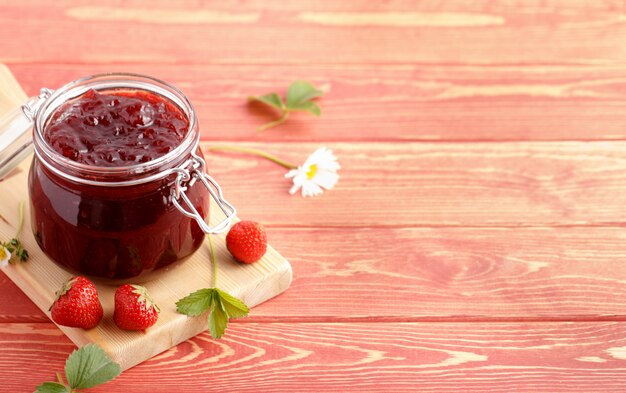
pixel 16 137
pixel 187 175
pixel 31 106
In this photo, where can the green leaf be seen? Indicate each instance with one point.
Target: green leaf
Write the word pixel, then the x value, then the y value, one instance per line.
pixel 234 307
pixel 218 319
pixel 51 387
pixel 195 303
pixel 271 99
pixel 90 366
pixel 300 92
pixel 308 106
pixel 299 96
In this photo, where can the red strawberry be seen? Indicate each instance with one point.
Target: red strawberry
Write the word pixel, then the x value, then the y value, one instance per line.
pixel 77 304
pixel 247 241
pixel 134 308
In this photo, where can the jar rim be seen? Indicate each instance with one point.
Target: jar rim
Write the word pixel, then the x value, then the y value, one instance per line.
pixel 119 175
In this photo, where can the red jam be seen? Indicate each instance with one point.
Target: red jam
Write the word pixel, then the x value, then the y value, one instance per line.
pixel 116 128
pixel 114 232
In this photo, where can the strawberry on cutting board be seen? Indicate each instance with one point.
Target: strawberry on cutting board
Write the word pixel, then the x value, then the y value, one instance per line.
pixel 134 308
pixel 247 241
pixel 77 304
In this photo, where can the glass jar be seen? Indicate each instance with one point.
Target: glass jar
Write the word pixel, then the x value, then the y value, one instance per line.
pixel 117 222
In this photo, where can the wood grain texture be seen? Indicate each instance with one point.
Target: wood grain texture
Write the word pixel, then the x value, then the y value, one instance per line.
pixel 364 357
pixel 390 102
pixel 482 32
pixel 436 184
pixel 478 263
pixel 434 274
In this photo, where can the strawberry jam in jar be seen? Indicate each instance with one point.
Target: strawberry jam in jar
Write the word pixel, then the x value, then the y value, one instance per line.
pixel 118 187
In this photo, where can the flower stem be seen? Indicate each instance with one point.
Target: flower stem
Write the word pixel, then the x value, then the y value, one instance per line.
pixel 213 261
pixel 255 152
pixel 274 123
pixel 20 222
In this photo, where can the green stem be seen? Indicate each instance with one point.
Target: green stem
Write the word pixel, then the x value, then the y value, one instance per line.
pixel 255 152
pixel 213 261
pixel 20 222
pixel 274 123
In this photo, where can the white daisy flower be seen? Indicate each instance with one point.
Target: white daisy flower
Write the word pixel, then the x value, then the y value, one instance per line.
pixel 318 172
pixel 5 256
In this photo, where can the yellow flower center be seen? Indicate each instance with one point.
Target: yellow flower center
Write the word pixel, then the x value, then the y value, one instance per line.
pixel 312 171
pixel 3 253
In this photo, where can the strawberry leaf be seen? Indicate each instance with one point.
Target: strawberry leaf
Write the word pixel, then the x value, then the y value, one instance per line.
pixel 218 319
pixel 299 96
pixel 52 387
pixel 223 305
pixel 271 99
pixel 308 106
pixel 299 93
pixel 195 303
pixel 234 307
pixel 89 366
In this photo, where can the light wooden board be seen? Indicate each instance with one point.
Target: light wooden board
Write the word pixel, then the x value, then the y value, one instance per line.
pixel 11 94
pixel 39 278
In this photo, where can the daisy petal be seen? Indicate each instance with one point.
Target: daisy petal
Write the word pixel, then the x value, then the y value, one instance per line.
pixel 5 257
pixel 294 189
pixel 311 189
pixel 318 172
pixel 327 179
pixel 292 173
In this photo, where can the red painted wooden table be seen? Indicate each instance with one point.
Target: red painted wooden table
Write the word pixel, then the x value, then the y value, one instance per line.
pixel 475 241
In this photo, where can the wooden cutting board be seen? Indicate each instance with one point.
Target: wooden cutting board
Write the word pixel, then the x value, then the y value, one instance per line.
pixel 39 277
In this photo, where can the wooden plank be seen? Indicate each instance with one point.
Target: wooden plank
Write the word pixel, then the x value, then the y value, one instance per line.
pixel 531 6
pixel 426 274
pixel 391 102
pixel 437 184
pixel 372 357
pixel 451 274
pixel 425 32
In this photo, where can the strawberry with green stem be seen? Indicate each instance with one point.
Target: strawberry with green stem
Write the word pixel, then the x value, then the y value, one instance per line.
pixel 134 308
pixel 77 304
